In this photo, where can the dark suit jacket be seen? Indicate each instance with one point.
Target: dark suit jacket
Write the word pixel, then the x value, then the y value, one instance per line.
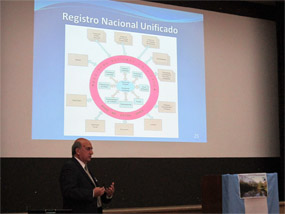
pixel 77 189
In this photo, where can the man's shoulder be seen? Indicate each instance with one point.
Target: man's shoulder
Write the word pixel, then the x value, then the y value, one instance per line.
pixel 69 170
pixel 70 166
pixel 70 163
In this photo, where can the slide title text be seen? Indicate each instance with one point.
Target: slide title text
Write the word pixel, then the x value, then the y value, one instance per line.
pixel 119 23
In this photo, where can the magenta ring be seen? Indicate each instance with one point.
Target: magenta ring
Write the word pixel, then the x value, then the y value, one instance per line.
pixel 154 89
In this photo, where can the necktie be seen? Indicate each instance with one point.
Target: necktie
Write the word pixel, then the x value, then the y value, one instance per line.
pixel 87 171
pixel 99 202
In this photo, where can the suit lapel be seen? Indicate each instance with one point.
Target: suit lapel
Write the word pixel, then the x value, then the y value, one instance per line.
pixel 94 179
pixel 83 171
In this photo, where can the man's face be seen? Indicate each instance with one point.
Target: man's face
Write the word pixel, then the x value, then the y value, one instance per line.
pixel 86 151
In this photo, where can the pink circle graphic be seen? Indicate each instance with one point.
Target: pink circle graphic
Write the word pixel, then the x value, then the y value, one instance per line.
pixel 154 89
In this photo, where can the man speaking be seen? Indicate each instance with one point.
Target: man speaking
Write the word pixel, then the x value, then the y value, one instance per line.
pixel 80 189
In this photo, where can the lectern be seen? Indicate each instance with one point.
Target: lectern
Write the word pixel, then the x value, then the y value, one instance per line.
pixel 221 194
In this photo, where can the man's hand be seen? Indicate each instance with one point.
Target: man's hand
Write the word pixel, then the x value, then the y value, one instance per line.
pixel 110 190
pixel 98 191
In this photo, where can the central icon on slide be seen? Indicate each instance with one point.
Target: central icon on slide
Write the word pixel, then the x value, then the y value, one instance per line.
pixel 114 90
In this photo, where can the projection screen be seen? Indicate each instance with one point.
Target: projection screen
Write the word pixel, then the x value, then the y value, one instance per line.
pixel 137 79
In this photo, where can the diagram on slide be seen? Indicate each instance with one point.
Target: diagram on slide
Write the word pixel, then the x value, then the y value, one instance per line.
pixel 120 83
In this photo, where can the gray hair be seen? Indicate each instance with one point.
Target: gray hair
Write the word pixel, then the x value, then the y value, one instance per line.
pixel 75 145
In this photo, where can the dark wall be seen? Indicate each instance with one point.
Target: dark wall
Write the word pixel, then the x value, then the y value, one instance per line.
pixel 32 183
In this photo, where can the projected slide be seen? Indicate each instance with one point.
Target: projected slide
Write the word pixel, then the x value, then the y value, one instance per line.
pixel 125 96
pixel 131 73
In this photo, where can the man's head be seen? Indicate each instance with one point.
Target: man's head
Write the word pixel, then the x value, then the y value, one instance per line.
pixel 82 149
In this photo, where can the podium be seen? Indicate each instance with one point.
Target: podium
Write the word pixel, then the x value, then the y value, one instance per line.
pixel 221 194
